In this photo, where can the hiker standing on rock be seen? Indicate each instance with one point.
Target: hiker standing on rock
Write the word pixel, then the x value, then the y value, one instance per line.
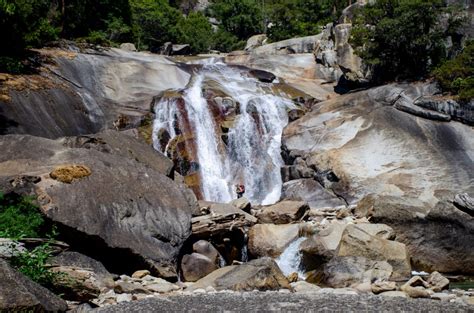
pixel 240 189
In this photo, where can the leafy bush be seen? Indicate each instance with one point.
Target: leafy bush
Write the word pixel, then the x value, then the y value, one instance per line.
pixel 291 18
pixel 457 75
pixel 225 41
pixel 25 23
pixel 196 31
pixel 34 264
pixel 19 217
pixel 154 23
pixel 400 38
pixel 242 18
pixel 11 65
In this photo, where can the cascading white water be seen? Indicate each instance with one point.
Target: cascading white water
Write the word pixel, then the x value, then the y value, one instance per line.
pixel 290 260
pixel 252 155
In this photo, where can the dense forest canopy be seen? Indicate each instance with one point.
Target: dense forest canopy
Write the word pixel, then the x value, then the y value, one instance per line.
pixel 399 38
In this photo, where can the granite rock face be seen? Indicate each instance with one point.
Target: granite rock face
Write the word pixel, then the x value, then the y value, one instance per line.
pixel 85 92
pixel 378 141
pixel 124 210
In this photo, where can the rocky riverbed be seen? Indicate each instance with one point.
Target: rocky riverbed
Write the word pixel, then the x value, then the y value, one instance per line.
pixel 373 189
pixel 282 301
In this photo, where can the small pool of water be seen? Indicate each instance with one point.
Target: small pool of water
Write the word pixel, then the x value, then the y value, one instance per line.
pixel 464 285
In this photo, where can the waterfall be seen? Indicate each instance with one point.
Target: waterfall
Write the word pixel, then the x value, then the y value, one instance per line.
pixel 251 155
pixel 290 260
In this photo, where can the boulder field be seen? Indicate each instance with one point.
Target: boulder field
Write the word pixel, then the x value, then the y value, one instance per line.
pixel 377 183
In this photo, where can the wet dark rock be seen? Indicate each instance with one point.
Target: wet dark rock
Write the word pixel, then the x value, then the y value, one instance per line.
pixel 463 112
pixel 263 76
pixel 465 203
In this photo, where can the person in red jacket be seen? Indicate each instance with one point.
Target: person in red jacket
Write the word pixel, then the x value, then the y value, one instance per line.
pixel 240 189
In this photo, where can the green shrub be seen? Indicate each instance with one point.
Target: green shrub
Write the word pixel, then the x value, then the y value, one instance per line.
pixel 225 41
pixel 19 217
pixel 242 18
pixel 34 264
pixel 196 31
pixel 401 39
pixel 11 65
pixel 457 75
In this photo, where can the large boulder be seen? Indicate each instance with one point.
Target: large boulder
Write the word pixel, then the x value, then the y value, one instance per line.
pixel 207 249
pixel 81 278
pixel 84 93
pixel 117 214
pixel 283 212
pixel 261 274
pixel 439 238
pixel 255 41
pixel 350 271
pixel 416 157
pixel 195 266
pixel 310 191
pixel 20 294
pixel 271 240
pixel 356 242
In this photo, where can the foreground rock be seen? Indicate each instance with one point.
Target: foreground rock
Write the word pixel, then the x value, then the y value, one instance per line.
pixel 18 293
pixel 351 271
pixel 357 242
pixel 277 301
pixel 261 274
pixel 82 278
pixel 195 266
pixel 116 214
pixel 270 240
pixel 439 238
pixel 283 212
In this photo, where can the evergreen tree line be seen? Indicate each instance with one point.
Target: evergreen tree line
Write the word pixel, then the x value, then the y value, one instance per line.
pixel 400 39
pixel 151 23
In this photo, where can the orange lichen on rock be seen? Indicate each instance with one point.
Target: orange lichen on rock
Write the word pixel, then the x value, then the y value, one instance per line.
pixel 67 173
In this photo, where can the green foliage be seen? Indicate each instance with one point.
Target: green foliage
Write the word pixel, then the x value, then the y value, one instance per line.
pixel 195 30
pixel 154 23
pixel 457 75
pixel 11 65
pixel 33 264
pixel 242 18
pixel 225 41
pixel 24 24
pixel 81 17
pixel 292 18
pixel 19 217
pixel 400 38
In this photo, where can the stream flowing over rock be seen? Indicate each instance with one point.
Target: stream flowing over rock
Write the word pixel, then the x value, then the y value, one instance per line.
pixel 224 129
